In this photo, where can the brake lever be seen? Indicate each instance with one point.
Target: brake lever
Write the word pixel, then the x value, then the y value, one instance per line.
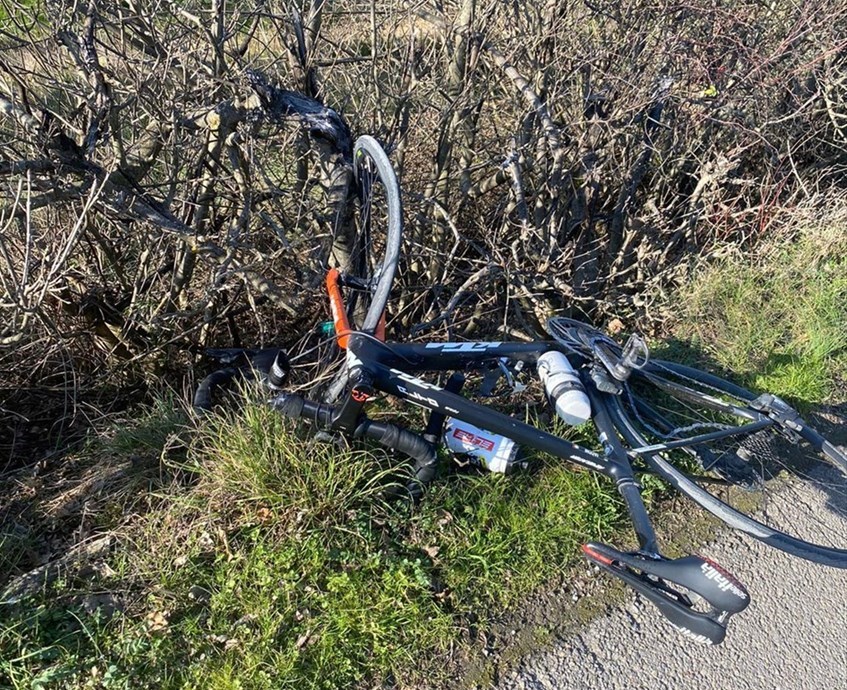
pixel 653 578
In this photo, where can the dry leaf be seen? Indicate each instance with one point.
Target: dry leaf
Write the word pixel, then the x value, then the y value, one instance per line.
pixel 615 326
pixel 303 639
pixel 157 620
pixel 431 551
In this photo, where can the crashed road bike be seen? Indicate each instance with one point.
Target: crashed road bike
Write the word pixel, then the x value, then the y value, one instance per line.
pixel 721 446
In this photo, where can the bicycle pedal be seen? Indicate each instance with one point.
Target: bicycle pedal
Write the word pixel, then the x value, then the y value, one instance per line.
pixel 510 372
pixel 635 354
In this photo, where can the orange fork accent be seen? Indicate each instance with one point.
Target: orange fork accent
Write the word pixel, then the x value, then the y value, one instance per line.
pixel 339 313
pixel 380 328
pixel 336 305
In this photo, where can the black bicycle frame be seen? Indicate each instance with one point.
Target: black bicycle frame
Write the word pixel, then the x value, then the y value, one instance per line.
pixel 386 368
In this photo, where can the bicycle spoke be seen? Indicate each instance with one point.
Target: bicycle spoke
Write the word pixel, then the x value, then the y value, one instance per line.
pixel 754 467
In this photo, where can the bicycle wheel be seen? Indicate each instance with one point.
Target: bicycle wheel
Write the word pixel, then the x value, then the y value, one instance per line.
pixel 376 247
pixel 369 258
pixel 577 337
pixel 734 453
pixel 739 455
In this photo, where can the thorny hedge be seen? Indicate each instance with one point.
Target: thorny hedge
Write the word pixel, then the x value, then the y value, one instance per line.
pixel 177 174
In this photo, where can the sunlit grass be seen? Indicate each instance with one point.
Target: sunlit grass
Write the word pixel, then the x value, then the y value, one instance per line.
pixel 275 563
pixel 775 316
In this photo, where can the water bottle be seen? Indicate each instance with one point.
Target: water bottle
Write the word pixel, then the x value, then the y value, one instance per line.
pixel 564 388
pixel 493 452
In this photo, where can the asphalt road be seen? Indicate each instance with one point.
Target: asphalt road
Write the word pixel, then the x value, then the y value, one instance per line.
pixel 792 637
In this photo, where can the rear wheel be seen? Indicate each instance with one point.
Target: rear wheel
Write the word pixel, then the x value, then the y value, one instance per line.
pixel 740 455
pixel 735 453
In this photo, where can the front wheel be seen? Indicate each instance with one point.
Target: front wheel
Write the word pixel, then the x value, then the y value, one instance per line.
pixel 378 239
pixel 371 257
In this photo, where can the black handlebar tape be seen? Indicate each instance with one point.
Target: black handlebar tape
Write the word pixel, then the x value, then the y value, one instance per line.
pixel 278 373
pixel 203 394
pixel 409 443
pixel 297 407
pixel 389 435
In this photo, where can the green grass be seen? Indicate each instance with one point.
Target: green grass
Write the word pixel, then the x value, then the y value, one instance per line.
pixel 775 317
pixel 274 563
pixel 263 559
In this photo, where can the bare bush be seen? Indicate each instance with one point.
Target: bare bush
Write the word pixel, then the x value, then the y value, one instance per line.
pixel 172 179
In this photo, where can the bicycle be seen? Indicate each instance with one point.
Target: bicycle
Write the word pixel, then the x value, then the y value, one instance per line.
pixel 709 439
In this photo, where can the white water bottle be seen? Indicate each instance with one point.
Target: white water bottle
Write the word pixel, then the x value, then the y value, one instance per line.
pixel 494 452
pixel 564 388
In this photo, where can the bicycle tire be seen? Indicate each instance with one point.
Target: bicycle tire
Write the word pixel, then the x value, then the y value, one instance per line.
pixel 699 397
pixel 379 230
pixel 706 391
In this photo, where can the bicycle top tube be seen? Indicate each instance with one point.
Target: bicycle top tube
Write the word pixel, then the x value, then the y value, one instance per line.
pixel 366 356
